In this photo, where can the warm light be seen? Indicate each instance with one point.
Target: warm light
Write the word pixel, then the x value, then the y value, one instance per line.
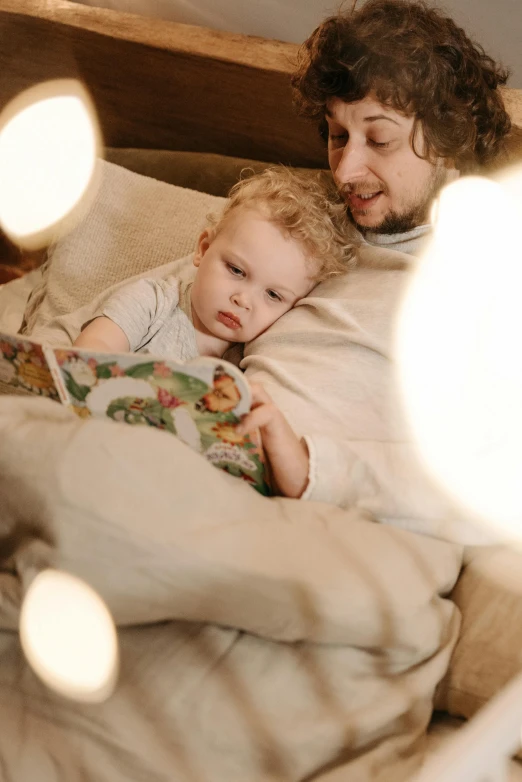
pixel 68 637
pixel 49 144
pixel 460 349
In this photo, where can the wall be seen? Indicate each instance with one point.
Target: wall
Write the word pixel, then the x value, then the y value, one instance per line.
pixel 497 24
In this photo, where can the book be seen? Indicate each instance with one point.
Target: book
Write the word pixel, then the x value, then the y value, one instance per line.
pixel 200 401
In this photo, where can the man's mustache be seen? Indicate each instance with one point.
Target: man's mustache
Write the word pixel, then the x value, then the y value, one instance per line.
pixel 362 188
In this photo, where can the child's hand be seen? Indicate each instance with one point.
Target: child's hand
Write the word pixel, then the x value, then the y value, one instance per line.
pixel 288 455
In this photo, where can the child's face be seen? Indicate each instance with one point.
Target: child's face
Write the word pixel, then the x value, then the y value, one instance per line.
pixel 249 274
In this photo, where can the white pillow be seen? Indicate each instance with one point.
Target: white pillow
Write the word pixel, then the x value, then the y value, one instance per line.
pixel 135 224
pixel 13 299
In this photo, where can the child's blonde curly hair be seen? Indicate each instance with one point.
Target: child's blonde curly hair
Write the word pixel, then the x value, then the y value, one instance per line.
pixel 306 208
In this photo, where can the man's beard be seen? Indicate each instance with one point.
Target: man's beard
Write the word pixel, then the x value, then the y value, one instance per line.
pixel 417 214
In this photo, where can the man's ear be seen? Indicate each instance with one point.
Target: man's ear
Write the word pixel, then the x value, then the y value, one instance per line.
pixel 202 246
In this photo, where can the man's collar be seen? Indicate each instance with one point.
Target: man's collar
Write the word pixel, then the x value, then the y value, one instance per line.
pixel 410 242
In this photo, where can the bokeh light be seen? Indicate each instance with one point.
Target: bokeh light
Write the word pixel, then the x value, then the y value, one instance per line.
pixel 459 350
pixel 68 637
pixel 49 145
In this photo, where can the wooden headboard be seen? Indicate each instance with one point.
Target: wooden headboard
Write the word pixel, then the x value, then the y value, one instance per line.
pixel 161 85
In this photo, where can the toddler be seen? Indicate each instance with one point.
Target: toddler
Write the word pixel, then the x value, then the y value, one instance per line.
pixel 279 235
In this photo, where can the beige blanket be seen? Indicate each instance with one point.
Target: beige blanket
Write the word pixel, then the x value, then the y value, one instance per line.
pixel 262 639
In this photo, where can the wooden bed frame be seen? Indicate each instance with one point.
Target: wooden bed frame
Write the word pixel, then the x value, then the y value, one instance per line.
pixel 161 85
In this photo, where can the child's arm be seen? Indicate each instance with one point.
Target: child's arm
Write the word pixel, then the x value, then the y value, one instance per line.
pixel 131 316
pixel 287 454
pixel 104 335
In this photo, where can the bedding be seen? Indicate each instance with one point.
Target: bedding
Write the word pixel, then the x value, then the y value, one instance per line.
pixel 488 654
pixel 323 635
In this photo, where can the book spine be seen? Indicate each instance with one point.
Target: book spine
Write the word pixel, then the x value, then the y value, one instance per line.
pixel 57 376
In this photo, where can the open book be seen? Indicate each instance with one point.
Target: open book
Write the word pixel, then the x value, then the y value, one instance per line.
pixel 200 401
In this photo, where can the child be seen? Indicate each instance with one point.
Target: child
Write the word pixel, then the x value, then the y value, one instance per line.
pixel 279 235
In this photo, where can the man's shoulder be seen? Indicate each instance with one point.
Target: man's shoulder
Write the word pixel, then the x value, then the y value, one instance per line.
pixel 369 256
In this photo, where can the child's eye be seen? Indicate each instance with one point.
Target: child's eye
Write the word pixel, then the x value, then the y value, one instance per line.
pixel 274 296
pixel 380 144
pixel 235 270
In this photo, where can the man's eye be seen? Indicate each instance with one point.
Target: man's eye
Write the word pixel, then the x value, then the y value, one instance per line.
pixel 274 296
pixel 338 137
pixel 235 270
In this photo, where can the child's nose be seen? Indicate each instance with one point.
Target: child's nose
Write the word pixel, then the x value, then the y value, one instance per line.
pixel 241 300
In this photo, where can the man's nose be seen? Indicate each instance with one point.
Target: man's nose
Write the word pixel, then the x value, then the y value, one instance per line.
pixel 353 163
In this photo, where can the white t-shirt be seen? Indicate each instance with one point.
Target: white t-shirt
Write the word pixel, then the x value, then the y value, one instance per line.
pixel 155 316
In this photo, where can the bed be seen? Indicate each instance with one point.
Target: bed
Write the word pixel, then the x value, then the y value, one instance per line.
pixel 256 644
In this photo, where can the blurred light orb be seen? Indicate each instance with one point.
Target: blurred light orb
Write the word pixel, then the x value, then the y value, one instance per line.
pixel 459 350
pixel 68 637
pixel 49 144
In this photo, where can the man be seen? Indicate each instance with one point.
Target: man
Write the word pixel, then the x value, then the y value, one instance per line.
pixel 406 102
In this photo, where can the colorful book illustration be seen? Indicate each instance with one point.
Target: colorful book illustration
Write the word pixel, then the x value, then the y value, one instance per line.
pixel 200 401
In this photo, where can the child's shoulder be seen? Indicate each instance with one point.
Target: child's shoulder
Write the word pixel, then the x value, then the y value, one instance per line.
pixel 168 285
pixel 172 290
pixel 161 294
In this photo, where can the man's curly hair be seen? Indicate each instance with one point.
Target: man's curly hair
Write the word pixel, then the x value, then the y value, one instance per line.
pixel 417 61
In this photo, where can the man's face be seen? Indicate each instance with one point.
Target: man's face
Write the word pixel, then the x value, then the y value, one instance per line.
pixel 386 186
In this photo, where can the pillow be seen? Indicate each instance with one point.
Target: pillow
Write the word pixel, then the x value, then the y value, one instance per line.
pixel 204 171
pixel 135 224
pixel 13 299
pixel 489 650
